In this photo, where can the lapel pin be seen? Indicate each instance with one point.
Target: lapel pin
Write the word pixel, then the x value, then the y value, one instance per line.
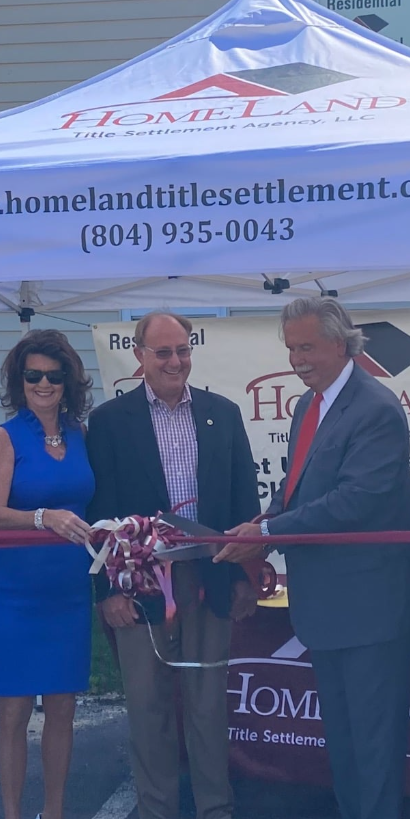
pixel 209 422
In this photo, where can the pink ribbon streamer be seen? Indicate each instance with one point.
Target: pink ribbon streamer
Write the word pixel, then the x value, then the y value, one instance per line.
pixel 127 552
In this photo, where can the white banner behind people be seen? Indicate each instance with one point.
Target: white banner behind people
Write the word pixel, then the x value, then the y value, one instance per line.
pixel 388 17
pixel 244 359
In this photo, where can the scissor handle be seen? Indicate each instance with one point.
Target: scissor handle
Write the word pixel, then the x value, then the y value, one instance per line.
pixel 262 577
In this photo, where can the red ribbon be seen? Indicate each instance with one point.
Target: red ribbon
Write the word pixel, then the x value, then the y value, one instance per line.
pixel 12 538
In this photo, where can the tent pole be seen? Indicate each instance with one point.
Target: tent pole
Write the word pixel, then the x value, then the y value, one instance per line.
pixel 25 312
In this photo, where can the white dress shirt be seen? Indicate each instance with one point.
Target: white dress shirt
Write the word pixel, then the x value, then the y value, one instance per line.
pixel 330 395
pixel 175 432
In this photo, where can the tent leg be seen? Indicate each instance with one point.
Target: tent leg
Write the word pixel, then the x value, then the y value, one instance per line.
pixel 25 312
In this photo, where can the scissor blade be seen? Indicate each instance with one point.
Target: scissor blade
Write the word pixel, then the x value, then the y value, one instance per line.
pixel 191 527
pixel 188 551
pixel 261 574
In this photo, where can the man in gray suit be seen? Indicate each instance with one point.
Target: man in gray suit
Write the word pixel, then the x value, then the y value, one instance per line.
pixel 350 604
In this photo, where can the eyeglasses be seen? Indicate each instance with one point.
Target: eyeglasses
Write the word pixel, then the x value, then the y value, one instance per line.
pixel 164 353
pixel 35 376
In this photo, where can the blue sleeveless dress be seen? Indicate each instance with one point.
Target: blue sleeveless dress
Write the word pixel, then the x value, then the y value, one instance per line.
pixel 45 591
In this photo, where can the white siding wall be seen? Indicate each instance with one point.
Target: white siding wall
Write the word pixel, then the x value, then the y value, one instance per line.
pixel 48 45
pixel 79 336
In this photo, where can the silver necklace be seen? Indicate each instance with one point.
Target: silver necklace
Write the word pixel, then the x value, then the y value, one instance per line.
pixel 54 440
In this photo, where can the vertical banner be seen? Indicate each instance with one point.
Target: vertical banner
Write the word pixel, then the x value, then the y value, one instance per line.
pixel 388 17
pixel 245 360
pixel 275 727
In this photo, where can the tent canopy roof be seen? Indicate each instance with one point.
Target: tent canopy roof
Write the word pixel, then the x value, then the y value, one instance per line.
pixel 274 124
pixel 266 56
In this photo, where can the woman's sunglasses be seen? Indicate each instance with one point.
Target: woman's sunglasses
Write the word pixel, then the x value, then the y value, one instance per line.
pixel 35 376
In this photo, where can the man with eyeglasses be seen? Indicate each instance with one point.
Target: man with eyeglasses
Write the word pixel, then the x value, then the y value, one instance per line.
pixel 153 448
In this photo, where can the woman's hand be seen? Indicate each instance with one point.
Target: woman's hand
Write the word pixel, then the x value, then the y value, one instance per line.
pixel 66 524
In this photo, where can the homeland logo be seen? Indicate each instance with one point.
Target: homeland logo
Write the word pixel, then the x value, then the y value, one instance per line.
pixel 387 349
pixel 273 701
pixel 387 355
pixel 241 95
pixel 273 391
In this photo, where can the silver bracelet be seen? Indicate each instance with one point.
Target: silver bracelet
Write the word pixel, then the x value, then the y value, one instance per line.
pixel 38 518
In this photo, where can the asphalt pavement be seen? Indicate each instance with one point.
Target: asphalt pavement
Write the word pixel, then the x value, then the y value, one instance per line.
pixel 100 783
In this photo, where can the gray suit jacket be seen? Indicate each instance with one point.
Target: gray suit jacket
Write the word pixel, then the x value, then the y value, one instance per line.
pixel 355 478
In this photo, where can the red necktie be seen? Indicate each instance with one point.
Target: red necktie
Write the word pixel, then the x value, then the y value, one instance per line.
pixel 306 435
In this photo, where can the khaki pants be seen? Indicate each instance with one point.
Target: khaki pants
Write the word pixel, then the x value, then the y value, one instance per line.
pixel 195 635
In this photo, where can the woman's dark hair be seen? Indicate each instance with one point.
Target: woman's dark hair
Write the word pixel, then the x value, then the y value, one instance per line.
pixel 77 400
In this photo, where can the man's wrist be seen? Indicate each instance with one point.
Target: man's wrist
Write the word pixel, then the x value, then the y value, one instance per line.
pixel 265 532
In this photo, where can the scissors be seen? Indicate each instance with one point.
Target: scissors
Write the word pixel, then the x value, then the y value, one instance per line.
pixel 261 573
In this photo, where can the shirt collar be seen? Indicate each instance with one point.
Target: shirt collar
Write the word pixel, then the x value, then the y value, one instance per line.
pixel 155 401
pixel 331 393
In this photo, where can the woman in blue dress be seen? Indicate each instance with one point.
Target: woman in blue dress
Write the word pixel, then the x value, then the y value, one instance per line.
pixel 45 594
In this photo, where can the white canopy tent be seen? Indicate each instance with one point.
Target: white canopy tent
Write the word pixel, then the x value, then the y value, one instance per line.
pixel 267 145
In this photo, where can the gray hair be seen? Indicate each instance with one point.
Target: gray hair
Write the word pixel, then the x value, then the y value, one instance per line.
pixel 334 319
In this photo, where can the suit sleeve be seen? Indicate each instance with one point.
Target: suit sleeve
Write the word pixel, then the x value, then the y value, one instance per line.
pixel 371 468
pixel 245 500
pixel 104 503
pixel 276 505
pixel 101 455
